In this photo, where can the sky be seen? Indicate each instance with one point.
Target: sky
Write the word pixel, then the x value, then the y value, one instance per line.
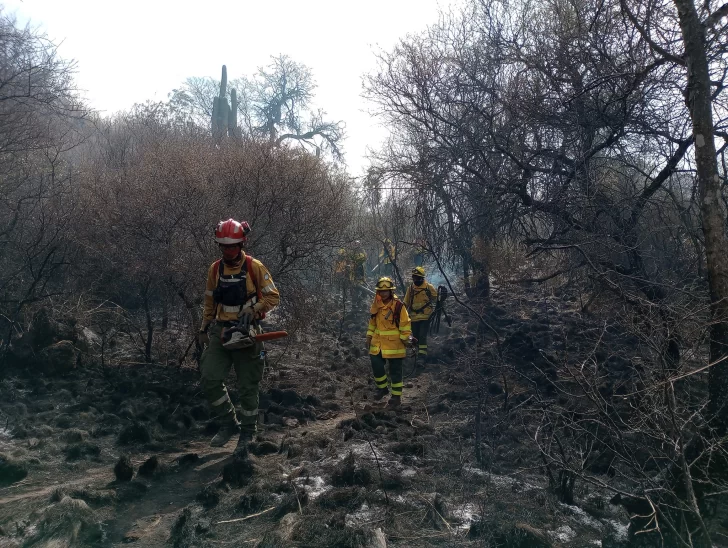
pixel 136 50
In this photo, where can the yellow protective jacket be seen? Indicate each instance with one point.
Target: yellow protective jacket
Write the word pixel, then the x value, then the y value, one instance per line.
pixel 258 274
pixel 387 258
pixel 420 301
pixel 351 265
pixel 387 338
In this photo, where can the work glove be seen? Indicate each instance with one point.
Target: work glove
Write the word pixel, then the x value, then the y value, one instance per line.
pixel 247 313
pixel 369 343
pixel 203 338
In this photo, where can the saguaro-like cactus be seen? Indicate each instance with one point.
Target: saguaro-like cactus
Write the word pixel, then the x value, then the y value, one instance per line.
pixel 224 115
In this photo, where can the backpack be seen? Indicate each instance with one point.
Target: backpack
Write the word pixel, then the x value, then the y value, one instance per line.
pixel 412 298
pixel 397 312
pixel 247 269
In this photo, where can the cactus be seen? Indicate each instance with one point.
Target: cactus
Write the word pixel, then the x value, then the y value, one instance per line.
pixel 233 117
pixel 224 118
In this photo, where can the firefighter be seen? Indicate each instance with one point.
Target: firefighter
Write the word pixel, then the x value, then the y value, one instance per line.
pixel 387 256
pixel 420 301
pixel 350 271
pixel 388 335
pixel 238 287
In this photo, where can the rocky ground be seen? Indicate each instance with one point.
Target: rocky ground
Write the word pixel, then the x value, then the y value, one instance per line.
pixel 105 456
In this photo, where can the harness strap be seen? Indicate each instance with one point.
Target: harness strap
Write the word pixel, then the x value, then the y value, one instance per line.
pixel 397 311
pixel 412 298
pixel 245 269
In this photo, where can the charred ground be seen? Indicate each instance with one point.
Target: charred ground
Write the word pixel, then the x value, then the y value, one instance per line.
pixel 102 456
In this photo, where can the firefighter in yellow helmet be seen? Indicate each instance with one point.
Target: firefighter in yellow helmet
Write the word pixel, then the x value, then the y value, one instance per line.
pixel 420 301
pixel 388 336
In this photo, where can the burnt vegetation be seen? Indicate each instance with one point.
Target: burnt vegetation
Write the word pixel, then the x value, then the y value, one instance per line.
pixel 558 166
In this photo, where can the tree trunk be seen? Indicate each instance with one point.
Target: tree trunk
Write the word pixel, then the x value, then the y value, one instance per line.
pixel 165 313
pixel 466 274
pixel 713 214
pixel 150 325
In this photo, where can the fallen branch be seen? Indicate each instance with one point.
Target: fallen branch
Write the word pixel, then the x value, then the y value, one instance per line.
pixel 247 517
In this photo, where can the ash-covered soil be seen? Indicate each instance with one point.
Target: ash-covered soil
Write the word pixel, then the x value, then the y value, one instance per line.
pixel 106 456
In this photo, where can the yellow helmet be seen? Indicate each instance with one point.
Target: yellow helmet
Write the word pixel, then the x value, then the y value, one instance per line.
pixel 385 284
pixel 418 271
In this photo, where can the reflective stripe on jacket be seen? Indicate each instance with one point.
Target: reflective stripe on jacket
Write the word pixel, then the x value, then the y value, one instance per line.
pixel 416 300
pixel 387 338
pixel 268 291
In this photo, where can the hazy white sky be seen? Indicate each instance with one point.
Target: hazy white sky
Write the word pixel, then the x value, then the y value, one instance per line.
pixel 132 50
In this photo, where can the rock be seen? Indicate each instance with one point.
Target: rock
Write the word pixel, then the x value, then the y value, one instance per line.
pixel 124 470
pixel 11 470
pixel 60 357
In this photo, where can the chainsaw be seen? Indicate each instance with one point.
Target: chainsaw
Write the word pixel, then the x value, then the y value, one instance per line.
pixel 246 334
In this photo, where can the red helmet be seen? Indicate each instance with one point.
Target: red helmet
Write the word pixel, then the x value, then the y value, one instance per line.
pixel 231 232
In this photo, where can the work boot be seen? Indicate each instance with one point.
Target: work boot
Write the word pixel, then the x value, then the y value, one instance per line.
pixel 394 401
pixel 380 393
pixel 241 450
pixel 227 431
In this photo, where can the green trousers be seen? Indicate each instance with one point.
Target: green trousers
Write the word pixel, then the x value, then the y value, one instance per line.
pixel 215 367
pixel 380 373
pixel 419 332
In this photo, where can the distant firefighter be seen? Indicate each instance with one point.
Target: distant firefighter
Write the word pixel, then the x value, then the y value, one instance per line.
pixel 420 300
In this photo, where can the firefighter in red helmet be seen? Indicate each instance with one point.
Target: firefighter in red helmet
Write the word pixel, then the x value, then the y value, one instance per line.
pixel 237 286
